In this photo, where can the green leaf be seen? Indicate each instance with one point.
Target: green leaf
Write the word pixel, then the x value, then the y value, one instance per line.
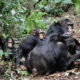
pixel 24 72
pixel 77 5
pixel 74 1
pixel 1 53
pixel 28 29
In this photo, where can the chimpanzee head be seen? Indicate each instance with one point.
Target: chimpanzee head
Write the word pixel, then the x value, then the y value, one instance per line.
pixel 10 42
pixel 39 32
pixel 68 24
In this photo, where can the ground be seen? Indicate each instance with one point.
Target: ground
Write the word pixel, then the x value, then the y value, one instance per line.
pixel 73 74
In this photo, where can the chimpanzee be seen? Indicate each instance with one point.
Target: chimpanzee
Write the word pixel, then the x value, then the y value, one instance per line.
pixel 29 43
pixel 49 56
pixel 72 44
pixel 65 25
pixel 39 32
pixel 62 28
pixel 68 24
pixel 10 46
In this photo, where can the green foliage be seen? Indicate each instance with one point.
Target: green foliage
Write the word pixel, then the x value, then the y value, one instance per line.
pixel 12 18
pixel 22 72
pixel 20 16
pixel 57 11
pixel 75 2
pixel 51 7
pixel 5 35
pixel 35 21
pixel 63 1
pixel 1 53
pixel 77 5
pixel 4 53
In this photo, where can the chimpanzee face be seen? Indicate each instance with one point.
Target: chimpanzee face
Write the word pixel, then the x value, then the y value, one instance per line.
pixel 10 43
pixel 33 32
pixel 41 35
pixel 70 28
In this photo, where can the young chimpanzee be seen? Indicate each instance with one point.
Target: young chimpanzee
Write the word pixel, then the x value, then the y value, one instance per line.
pixel 49 56
pixel 10 44
pixel 39 32
pixel 10 47
pixel 28 44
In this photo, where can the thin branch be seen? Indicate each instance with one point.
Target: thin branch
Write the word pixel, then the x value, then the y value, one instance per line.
pixel 37 3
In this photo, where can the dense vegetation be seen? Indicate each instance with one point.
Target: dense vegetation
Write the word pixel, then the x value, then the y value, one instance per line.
pixel 20 16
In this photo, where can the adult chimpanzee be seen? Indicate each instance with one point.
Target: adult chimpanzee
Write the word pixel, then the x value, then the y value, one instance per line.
pixel 28 44
pixel 72 44
pixel 49 56
pixel 68 24
pixel 65 25
pixel 62 28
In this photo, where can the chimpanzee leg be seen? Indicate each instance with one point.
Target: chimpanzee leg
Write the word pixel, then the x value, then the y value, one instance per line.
pixel 18 55
pixel 72 59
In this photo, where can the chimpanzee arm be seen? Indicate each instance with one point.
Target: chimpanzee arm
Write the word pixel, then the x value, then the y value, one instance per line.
pixel 73 58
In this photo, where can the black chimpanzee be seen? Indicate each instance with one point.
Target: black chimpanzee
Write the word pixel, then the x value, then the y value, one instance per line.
pixel 63 27
pixel 72 44
pixel 56 28
pixel 10 47
pixel 49 56
pixel 39 32
pixel 68 24
pixel 29 43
